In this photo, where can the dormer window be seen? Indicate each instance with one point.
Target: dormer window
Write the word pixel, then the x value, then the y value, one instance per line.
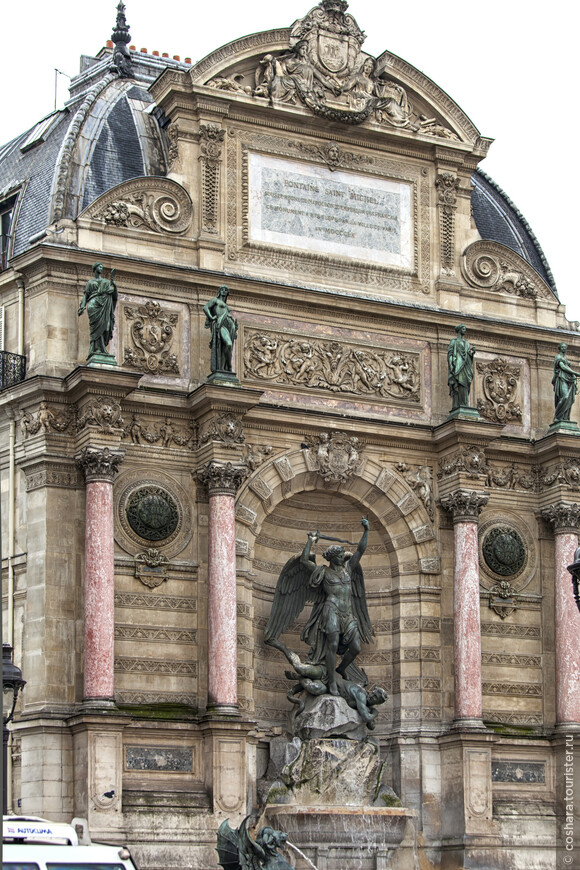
pixel 40 131
pixel 6 212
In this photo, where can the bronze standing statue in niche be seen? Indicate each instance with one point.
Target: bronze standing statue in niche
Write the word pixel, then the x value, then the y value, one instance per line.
pixel 339 621
pixel 224 331
pixel 100 301
pixel 460 368
pixel 565 385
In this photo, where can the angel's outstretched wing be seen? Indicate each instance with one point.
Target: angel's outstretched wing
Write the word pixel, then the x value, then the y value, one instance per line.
pixel 293 590
pixel 359 603
pixel 227 847
pixel 251 853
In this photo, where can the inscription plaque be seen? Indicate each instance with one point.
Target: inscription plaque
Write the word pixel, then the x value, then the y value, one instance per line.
pixel 350 215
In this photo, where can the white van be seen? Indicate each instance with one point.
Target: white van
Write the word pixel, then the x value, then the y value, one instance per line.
pixel 29 843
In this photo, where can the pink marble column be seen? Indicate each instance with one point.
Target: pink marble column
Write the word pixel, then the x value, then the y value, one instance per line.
pixel 466 507
pixel 565 519
pixel 222 481
pixel 100 467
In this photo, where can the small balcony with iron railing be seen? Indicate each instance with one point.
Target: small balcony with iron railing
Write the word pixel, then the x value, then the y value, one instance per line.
pixel 12 369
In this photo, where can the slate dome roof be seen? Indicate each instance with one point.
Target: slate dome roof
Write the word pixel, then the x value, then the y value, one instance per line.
pixel 111 131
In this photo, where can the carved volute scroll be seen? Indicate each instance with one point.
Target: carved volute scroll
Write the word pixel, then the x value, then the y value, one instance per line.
pixel 158 205
pixel 491 266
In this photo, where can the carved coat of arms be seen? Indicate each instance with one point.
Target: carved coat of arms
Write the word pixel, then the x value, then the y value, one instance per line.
pixel 335 457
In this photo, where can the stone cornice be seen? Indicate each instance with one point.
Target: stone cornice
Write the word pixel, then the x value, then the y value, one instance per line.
pixel 465 505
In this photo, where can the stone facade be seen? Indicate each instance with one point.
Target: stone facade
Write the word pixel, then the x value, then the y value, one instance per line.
pixel 151 699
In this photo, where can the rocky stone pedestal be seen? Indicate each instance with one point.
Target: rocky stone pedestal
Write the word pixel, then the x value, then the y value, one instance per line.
pixel 327 793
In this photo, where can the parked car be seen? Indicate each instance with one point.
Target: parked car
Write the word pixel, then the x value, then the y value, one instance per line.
pixel 30 843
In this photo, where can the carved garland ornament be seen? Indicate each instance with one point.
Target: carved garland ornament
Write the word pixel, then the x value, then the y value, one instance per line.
pixel 152 333
pixel 331 365
pixel 152 203
pixel 163 433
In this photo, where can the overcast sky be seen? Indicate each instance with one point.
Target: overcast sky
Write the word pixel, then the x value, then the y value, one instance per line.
pixel 509 64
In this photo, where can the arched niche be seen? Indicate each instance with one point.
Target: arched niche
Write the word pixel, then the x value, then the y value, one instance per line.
pixel 277 507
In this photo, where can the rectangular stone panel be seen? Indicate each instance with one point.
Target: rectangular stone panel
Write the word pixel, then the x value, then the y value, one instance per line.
pixel 298 205
pixel 518 771
pixel 159 758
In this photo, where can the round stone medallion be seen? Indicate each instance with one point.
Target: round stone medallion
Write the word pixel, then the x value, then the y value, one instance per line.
pixel 504 551
pixel 152 513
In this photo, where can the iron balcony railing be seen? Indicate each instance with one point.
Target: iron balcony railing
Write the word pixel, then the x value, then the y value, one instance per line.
pixel 12 369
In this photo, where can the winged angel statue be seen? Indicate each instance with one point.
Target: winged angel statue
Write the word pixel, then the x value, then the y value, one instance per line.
pixel 339 621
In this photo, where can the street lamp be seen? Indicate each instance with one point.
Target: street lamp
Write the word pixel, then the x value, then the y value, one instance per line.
pixel 574 570
pixel 12 682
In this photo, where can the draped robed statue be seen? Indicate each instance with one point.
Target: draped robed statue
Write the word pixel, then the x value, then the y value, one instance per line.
pixel 224 330
pixel 565 385
pixel 460 368
pixel 99 301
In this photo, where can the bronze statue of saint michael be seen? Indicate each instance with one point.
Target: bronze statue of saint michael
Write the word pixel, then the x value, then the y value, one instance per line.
pixel 339 621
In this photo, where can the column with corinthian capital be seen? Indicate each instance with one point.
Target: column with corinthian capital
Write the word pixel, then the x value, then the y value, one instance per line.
pixel 222 481
pixel 565 519
pixel 466 506
pixel 100 467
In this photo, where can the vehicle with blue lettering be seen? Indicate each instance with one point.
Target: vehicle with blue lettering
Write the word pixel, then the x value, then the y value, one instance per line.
pixel 30 843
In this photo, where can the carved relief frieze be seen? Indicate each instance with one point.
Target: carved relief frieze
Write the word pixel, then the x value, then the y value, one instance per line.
pixel 336 457
pixel 420 479
pixel 149 698
pixel 332 365
pixel 152 330
pixel 163 433
pixel 447 186
pixel 500 382
pixel 211 137
pixel 234 84
pixel 147 601
pixel 104 413
pixel 469 460
pixel 157 204
pixel 225 428
pixel 58 474
pixel 130 665
pixel 491 266
pixel 48 420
